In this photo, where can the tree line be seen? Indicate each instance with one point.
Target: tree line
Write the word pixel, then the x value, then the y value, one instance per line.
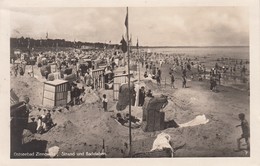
pixel 33 43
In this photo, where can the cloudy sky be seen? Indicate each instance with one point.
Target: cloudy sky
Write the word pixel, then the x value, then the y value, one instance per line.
pixel 154 26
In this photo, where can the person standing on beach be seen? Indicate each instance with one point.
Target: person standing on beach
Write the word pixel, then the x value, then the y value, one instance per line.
pixel 154 69
pixel 161 62
pixel 204 71
pixel 141 96
pixel 211 81
pixel 219 77
pixel 172 80
pixel 184 72
pixel 133 97
pixel 150 67
pixel 183 81
pixel 104 102
pixel 245 131
pixel 21 70
pixel 215 84
pixel 72 94
pixel 158 77
pixel 243 70
pixel 16 70
pixel 146 66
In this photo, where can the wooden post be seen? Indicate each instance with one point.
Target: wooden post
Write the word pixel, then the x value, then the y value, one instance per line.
pixel 32 71
pixel 43 93
pixel 165 82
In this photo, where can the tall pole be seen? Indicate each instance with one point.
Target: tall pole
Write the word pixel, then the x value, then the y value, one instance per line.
pixel 128 58
pixel 139 57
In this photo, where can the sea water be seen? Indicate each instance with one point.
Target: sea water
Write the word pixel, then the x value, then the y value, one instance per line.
pixel 226 52
pixel 214 53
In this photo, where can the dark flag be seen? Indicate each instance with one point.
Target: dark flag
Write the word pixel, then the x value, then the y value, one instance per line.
pixel 137 45
pixel 124 45
pixel 126 20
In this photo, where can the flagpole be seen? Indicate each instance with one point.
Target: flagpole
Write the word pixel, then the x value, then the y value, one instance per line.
pixel 137 45
pixel 128 56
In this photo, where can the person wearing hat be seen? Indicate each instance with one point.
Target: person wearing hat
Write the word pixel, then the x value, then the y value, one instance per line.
pixel 75 93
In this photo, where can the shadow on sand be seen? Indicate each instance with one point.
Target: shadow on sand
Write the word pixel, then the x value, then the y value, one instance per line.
pixel 34 147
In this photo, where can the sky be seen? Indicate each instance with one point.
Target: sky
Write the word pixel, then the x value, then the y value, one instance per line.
pixel 153 26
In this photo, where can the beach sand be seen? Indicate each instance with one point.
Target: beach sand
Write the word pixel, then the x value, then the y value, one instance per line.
pixel 83 127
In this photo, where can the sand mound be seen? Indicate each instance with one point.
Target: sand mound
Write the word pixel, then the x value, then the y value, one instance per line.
pixel 91 97
pixel 63 132
pixel 25 85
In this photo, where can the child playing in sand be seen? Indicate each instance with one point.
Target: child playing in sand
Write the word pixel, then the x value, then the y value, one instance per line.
pixel 104 101
pixel 245 131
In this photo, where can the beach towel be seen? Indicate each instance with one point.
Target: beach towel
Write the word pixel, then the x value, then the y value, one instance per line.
pixel 162 142
pixel 198 120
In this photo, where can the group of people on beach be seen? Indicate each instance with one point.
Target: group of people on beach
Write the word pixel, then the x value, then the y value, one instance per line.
pixel 44 123
pixel 68 63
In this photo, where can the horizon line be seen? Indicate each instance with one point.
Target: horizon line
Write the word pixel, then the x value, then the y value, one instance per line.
pixel 192 46
pixel 178 46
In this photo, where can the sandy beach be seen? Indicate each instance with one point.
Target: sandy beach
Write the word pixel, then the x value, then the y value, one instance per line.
pixel 82 128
